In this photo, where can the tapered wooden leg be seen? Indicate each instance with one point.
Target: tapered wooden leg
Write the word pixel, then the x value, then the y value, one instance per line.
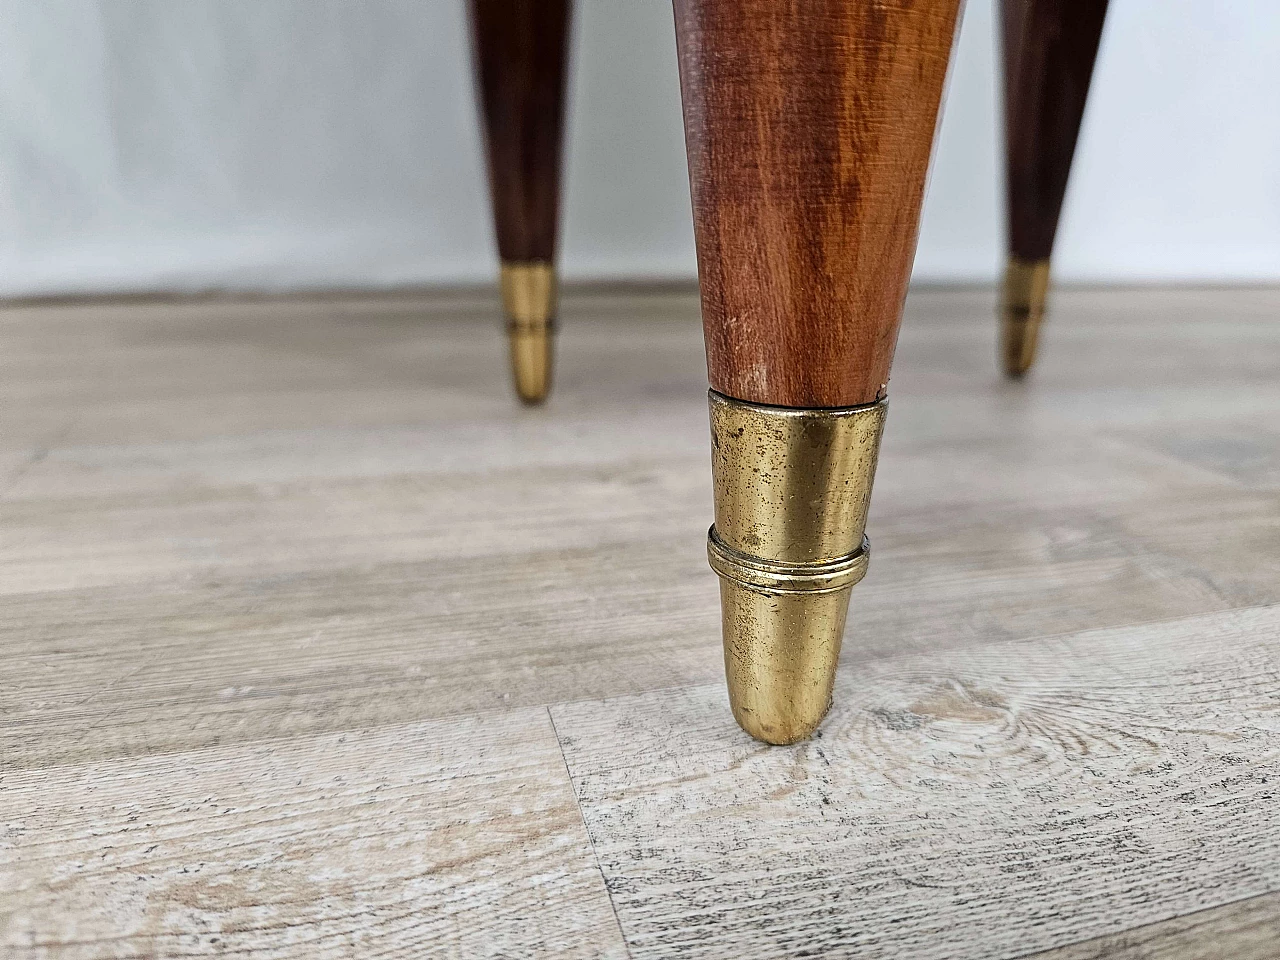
pixel 809 128
pixel 1049 50
pixel 520 53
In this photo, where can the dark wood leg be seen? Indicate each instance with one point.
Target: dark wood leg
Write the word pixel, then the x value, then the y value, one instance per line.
pixel 520 54
pixel 1049 50
pixel 809 128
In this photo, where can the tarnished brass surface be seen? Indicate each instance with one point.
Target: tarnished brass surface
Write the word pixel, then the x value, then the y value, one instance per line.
pixel 1022 302
pixel 529 299
pixel 792 489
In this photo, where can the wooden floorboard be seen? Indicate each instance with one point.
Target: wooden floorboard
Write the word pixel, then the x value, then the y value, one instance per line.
pixel 457 838
pixel 974 803
pixel 242 542
pixel 1244 930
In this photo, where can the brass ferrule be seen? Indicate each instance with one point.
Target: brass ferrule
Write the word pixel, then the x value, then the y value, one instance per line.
pixel 1022 306
pixel 529 300
pixel 792 488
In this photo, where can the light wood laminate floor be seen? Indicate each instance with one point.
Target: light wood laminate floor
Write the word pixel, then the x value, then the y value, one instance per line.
pixel 316 645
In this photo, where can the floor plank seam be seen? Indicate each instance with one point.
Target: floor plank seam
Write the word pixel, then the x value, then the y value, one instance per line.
pixel 845 664
pixel 587 827
pixel 549 705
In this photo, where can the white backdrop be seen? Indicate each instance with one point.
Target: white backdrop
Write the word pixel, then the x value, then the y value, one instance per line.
pixel 274 144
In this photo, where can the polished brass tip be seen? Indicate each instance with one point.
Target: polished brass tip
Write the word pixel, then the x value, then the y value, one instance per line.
pixel 792 488
pixel 531 352
pixel 1022 303
pixel 529 299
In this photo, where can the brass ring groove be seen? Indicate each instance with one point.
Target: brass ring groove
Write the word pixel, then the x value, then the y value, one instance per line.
pixel 770 576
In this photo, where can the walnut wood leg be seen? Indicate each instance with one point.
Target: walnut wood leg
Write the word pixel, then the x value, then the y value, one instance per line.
pixel 809 128
pixel 1049 50
pixel 520 53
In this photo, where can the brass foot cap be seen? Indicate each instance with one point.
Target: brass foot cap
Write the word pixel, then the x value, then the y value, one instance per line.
pixel 1022 306
pixel 791 494
pixel 783 626
pixel 531 352
pixel 529 300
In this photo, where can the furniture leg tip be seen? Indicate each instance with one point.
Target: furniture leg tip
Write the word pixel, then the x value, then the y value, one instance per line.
pixel 780 656
pixel 1019 335
pixel 531 352
pixel 1022 307
pixel 792 487
pixel 529 299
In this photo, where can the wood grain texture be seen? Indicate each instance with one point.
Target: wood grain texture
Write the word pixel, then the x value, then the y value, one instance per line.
pixel 457 839
pixel 1244 930
pixel 975 804
pixel 233 533
pixel 1049 49
pixel 809 128
pixel 520 54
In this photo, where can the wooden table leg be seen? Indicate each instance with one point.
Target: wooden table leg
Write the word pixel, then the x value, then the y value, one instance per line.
pixel 1049 50
pixel 520 53
pixel 809 128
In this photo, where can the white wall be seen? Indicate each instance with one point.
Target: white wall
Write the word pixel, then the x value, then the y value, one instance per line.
pixel 269 144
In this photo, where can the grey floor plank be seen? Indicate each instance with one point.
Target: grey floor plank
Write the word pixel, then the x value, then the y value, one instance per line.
pixel 449 839
pixel 316 537
pixel 1244 930
pixel 977 803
